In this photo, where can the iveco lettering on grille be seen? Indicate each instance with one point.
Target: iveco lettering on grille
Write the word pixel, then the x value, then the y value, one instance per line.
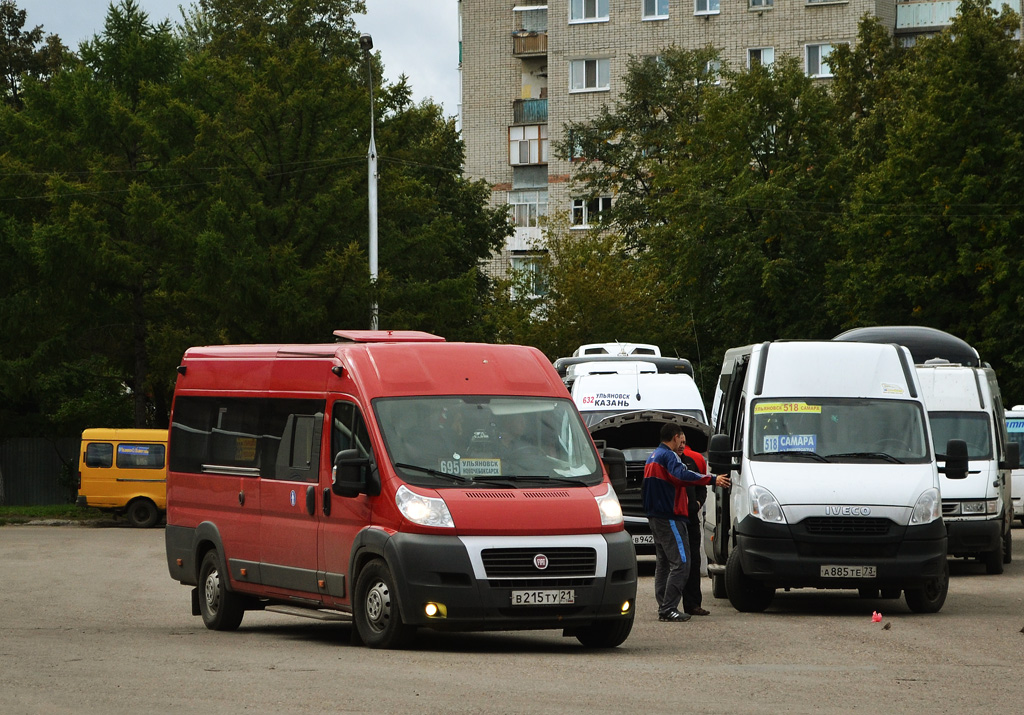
pixel 847 511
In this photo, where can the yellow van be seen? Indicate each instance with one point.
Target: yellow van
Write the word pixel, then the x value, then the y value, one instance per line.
pixel 124 471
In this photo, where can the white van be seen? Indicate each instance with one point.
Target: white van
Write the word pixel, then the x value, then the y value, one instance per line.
pixel 1015 435
pixel 625 396
pixel 834 482
pixel 964 402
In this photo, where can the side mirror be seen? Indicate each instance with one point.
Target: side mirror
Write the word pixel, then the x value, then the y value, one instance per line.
pixel 615 462
pixel 349 478
pixel 722 459
pixel 1012 457
pixel 955 458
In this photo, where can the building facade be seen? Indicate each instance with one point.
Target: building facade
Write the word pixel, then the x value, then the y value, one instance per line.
pixel 529 66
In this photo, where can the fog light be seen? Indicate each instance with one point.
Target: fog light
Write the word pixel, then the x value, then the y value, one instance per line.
pixel 626 606
pixel 435 610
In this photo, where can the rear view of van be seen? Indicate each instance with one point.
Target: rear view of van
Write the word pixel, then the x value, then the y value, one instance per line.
pixel 1015 434
pixel 124 471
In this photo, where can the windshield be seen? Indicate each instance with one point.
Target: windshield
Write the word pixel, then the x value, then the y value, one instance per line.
pixel 456 440
pixel 971 427
pixel 591 418
pixel 838 430
pixel 1015 431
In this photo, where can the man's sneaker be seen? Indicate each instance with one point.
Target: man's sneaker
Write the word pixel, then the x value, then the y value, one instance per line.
pixel 674 615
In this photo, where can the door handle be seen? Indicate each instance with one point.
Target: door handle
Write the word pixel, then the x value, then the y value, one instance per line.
pixel 241 498
pixel 311 500
pixel 327 502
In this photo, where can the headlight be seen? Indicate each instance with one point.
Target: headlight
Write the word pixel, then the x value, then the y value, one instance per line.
pixel 973 507
pixel 765 506
pixel 928 507
pixel 611 511
pixel 426 511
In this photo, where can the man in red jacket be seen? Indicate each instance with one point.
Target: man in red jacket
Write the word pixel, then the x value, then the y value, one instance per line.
pixel 666 504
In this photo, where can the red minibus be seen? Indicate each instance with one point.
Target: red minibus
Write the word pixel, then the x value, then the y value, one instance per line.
pixel 398 480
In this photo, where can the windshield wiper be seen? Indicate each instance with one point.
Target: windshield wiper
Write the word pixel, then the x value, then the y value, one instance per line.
pixel 435 472
pixel 870 455
pixel 801 453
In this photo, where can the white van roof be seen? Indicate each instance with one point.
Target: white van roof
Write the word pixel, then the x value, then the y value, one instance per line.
pixel 617 348
pixel 794 369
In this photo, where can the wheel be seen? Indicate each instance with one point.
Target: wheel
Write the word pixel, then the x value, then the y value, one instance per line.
pixel 142 513
pixel 375 609
pixel 1008 547
pixel 867 592
pixel 930 597
pixel 993 560
pixel 606 634
pixel 222 610
pixel 718 586
pixel 745 594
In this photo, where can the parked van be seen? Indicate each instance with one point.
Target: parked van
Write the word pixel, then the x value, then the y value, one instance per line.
pixel 834 482
pixel 123 471
pixel 624 398
pixel 398 480
pixel 964 402
pixel 1015 434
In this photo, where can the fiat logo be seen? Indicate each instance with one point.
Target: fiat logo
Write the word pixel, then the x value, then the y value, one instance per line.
pixel 540 561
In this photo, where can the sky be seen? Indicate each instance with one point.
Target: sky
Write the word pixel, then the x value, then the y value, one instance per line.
pixel 418 38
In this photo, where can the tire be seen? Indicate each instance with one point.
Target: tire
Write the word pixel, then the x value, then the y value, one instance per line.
pixel 142 513
pixel 221 609
pixel 606 634
pixel 930 597
pixel 745 594
pixel 1008 547
pixel 993 560
pixel 718 589
pixel 375 609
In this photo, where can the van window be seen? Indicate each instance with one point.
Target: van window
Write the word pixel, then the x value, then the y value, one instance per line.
pixel 972 427
pixel 480 438
pixel 99 455
pixel 839 429
pixel 140 456
pixel 266 437
pixel 348 429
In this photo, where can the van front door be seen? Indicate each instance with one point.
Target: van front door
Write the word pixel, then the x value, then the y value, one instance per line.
pixel 288 497
pixel 342 518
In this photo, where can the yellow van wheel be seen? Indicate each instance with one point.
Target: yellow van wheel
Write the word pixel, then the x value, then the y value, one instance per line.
pixel 142 513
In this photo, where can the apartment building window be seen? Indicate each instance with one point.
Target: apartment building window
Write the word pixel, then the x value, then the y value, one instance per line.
pixel 528 144
pixel 529 270
pixel 586 212
pixel 589 75
pixel 588 10
pixel 816 60
pixel 760 56
pixel 527 207
pixel 655 9
pixel 761 4
pixel 531 18
pixel 706 7
pixel 713 72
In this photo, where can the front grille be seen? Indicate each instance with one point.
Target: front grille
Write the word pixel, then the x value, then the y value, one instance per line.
pixel 950 508
pixel 519 563
pixel 846 526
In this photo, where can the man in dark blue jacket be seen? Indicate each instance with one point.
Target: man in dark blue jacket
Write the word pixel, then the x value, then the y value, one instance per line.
pixel 666 504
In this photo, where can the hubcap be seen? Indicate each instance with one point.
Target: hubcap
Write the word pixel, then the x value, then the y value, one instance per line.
pixel 212 591
pixel 378 605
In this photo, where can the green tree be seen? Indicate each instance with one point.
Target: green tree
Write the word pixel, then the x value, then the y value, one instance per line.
pixel 24 53
pixel 931 235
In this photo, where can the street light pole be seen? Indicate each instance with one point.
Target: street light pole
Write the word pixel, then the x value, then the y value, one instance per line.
pixel 366 43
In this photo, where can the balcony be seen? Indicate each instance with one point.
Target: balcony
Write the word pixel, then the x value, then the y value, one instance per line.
pixel 530 111
pixel 527 43
pixel 932 16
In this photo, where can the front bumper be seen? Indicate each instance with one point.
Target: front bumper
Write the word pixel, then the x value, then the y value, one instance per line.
pixel 974 537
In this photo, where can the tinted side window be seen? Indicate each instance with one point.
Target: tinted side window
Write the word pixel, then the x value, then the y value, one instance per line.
pixel 270 438
pixel 140 456
pixel 348 430
pixel 99 455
